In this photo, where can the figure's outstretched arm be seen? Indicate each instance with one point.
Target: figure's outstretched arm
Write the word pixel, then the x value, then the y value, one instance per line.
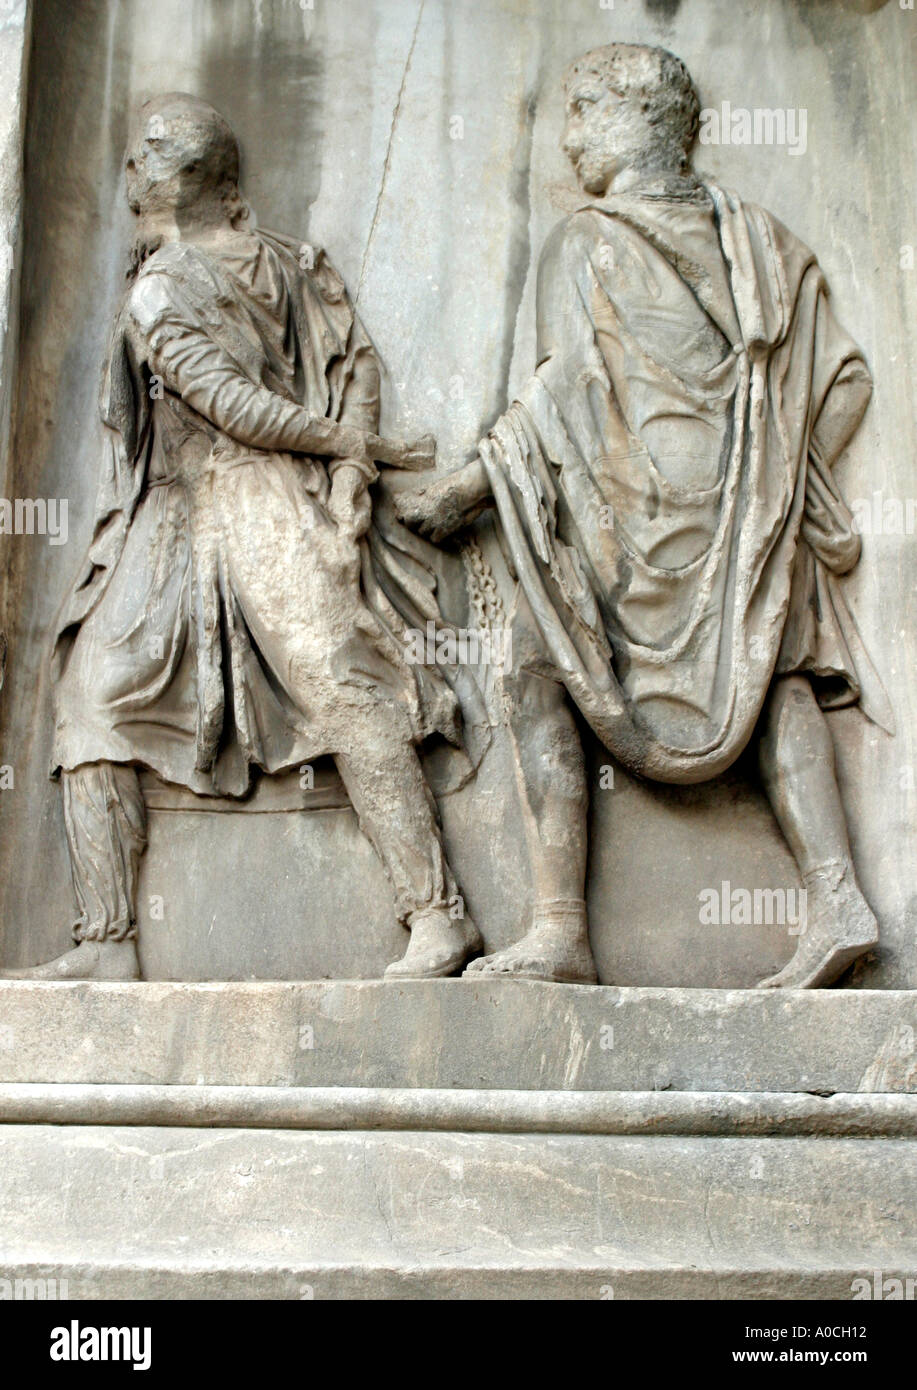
pixel 195 367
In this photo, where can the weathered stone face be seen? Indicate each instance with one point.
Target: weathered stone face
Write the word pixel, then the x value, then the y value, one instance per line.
pixel 177 148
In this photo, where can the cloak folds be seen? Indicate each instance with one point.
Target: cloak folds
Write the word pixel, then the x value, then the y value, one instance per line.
pixel 217 588
pixel 663 480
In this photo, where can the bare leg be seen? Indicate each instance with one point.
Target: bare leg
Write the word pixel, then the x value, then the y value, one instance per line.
pixel 798 769
pixel 551 778
pixel 106 833
pixel 397 814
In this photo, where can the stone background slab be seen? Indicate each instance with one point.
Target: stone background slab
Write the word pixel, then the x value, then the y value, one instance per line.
pixel 345 113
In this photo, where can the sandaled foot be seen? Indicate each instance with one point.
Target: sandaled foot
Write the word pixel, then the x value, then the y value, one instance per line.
pixel 839 927
pixel 90 960
pixel 550 954
pixel 439 946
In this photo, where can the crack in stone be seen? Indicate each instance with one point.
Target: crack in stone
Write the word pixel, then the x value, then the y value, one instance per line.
pixel 396 112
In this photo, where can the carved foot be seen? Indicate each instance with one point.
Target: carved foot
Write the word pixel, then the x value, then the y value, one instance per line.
pixel 90 960
pixel 839 927
pixel 544 953
pixel 439 945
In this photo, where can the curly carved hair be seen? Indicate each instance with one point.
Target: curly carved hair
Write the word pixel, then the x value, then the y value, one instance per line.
pixel 657 78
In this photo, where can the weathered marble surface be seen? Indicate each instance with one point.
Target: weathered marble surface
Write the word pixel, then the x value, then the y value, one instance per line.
pixel 13 76
pixel 438 237
pixel 637 1167
pixel 454 1216
pixel 14 49
pixel 459 1033
pixel 668 1181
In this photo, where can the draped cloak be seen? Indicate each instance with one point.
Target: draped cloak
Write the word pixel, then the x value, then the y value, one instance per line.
pixel 663 480
pixel 215 566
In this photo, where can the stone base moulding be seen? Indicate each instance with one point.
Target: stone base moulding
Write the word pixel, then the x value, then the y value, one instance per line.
pixel 512 1140
pixel 242 1213
pixel 468 1034
pixel 700 1113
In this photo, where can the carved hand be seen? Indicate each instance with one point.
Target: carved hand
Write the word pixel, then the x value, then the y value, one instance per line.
pixel 420 454
pixel 349 503
pixel 441 507
pixel 318 435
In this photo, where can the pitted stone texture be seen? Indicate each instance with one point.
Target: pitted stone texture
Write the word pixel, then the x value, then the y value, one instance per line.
pixel 174 1213
pixel 518 1035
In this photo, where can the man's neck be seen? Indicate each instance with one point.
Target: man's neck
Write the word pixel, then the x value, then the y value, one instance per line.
pixel 654 178
pixel 205 224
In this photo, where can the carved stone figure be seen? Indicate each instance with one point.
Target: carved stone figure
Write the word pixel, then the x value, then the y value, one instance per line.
pixel 664 489
pixel 231 611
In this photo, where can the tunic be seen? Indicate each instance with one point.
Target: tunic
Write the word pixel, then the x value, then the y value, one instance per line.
pixel 223 619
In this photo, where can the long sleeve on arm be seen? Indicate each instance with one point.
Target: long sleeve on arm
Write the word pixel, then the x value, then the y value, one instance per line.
pixel 194 366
